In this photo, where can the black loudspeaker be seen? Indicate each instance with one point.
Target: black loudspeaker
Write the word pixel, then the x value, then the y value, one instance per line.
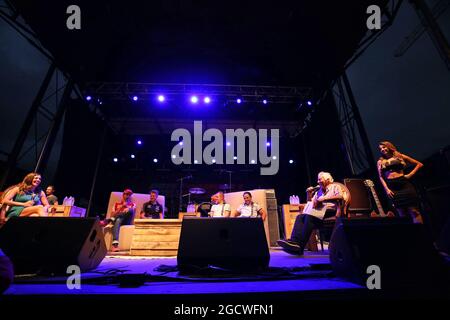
pixel 49 245
pixel 235 244
pixel 403 251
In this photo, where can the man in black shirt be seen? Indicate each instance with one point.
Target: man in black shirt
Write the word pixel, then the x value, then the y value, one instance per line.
pixel 152 209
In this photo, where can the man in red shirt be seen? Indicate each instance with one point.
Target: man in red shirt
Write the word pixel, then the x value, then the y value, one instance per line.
pixel 122 214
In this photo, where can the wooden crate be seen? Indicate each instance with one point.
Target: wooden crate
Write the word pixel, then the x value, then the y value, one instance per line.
pixel 156 237
pixel 68 211
pixel 290 212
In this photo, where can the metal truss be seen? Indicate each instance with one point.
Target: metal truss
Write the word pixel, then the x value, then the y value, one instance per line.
pixel 356 142
pixel 388 15
pixel 248 93
pixel 42 122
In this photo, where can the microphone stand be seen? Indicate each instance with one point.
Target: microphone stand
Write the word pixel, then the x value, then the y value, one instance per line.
pixel 181 192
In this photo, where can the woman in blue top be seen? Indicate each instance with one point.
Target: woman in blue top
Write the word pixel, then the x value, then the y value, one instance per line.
pixel 26 198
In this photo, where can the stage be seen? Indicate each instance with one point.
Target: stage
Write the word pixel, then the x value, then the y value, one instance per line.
pixel 308 276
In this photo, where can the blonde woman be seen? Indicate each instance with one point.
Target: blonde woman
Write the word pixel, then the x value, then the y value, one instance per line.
pixel 391 166
pixel 26 198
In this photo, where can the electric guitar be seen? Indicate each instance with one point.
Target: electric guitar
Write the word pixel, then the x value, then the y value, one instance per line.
pixel 369 183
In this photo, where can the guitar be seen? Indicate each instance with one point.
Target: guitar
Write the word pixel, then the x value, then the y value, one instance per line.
pixel 369 183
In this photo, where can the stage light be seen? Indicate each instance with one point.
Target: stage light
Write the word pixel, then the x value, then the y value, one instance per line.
pixel 291 161
pixel 253 162
pixel 115 160
pixel 161 98
pixel 238 100
pixel 135 98
pixel 268 144
pixel 139 142
pixel 228 144
pixel 194 99
pixel 155 160
pixel 180 143
pixel 174 156
pixel 207 100
pixel 88 98
pixel 213 160
pixel 133 156
pixel 274 157
pixel 235 158
pixel 309 103
pixel 264 101
pixel 195 161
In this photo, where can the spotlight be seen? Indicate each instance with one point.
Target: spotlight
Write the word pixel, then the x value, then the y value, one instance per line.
pixel 274 157
pixel 268 144
pixel 161 98
pixel 238 100
pixel 180 143
pixel 291 161
pixel 228 144
pixel 195 161
pixel 235 158
pixel 174 156
pixel 88 98
pixel 309 103
pixel 194 99
pixel 213 161
pixel 133 156
pixel 139 142
pixel 115 160
pixel 155 160
pixel 207 100
pixel 264 101
pixel 253 162
pixel 135 98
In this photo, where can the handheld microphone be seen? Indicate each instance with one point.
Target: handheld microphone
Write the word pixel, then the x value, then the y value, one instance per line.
pixel 313 188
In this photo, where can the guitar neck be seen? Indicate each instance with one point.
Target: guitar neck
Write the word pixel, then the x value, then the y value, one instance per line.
pixel 377 201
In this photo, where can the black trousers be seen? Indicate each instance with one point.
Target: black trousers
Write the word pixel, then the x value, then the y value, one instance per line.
pixel 304 226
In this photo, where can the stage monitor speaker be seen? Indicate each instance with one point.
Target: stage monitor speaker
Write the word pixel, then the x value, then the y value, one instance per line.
pixel 403 251
pixel 49 245
pixel 235 244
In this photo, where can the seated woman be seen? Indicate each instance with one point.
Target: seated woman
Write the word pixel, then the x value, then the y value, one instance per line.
pixel 26 198
pixel 324 203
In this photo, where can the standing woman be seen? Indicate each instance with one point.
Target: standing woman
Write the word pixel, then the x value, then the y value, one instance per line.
pixel 26 198
pixel 391 166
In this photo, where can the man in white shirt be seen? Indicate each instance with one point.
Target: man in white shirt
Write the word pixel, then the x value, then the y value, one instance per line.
pixel 249 208
pixel 325 201
pixel 220 208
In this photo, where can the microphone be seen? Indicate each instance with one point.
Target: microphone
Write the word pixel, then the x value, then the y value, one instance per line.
pixel 313 188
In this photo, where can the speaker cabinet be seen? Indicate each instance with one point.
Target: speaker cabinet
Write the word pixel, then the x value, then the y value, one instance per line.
pixel 403 251
pixel 50 245
pixel 237 244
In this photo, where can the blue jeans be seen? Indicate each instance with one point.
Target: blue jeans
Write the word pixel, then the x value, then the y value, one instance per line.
pixel 121 219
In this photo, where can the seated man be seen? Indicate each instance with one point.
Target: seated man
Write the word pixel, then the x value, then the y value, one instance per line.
pixel 323 206
pixel 152 209
pixel 51 198
pixel 250 208
pixel 122 214
pixel 220 208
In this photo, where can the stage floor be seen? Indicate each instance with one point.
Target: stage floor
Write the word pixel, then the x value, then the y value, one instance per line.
pixel 312 275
